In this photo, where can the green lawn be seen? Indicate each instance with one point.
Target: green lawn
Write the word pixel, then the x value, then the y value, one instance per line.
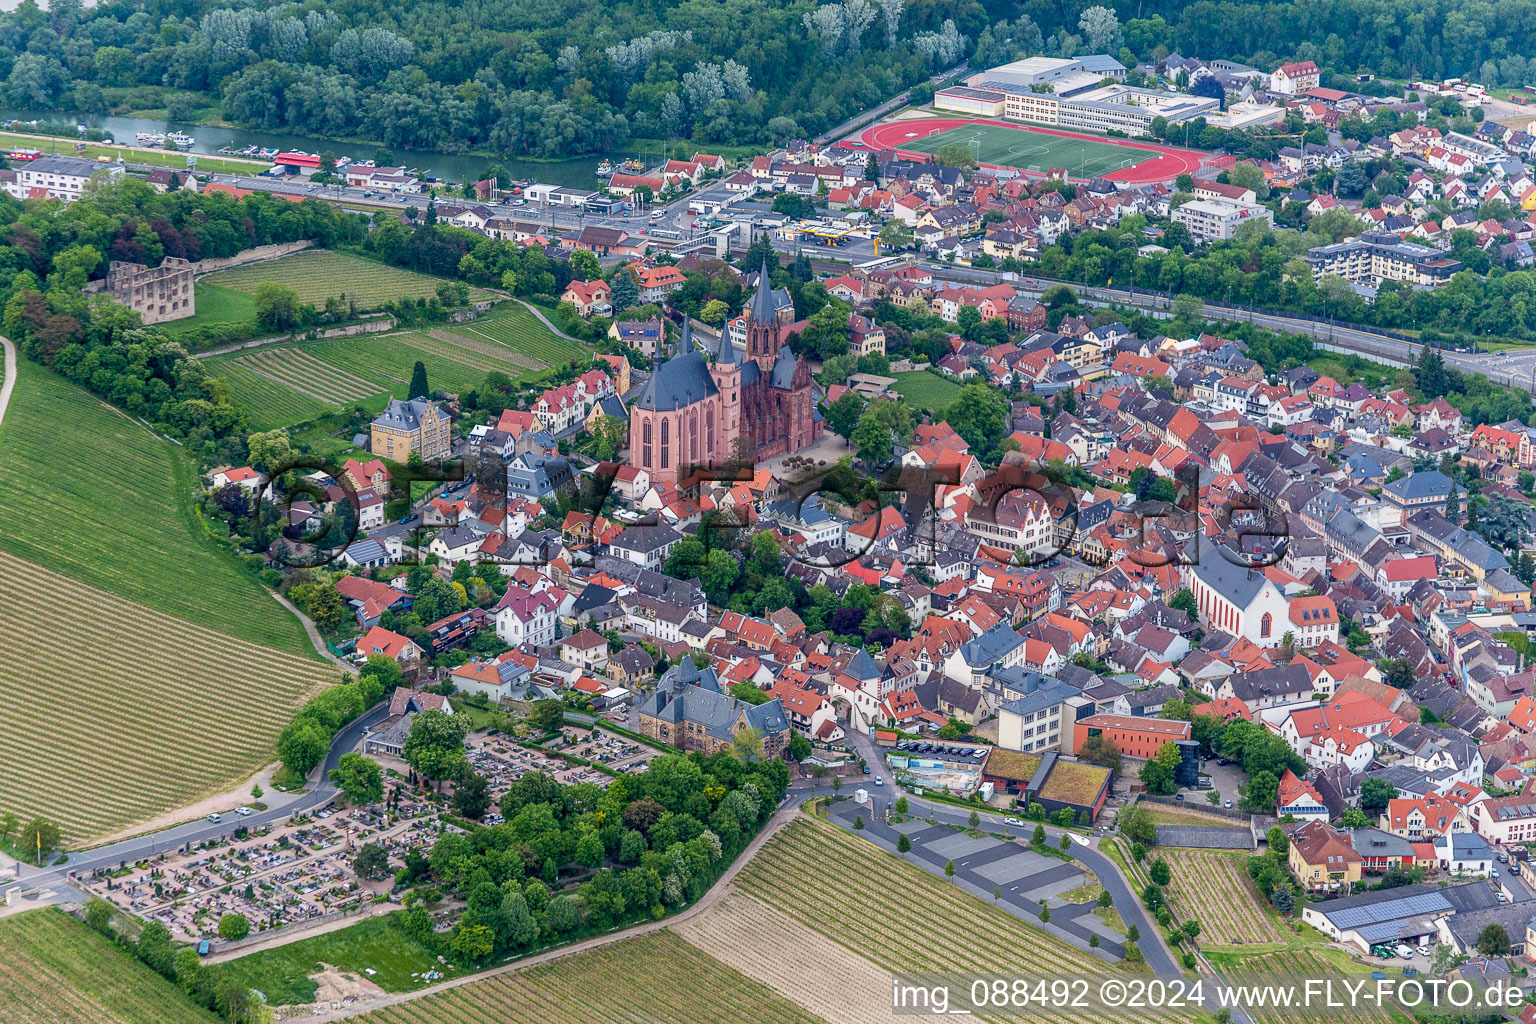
pixel 926 390
pixel 319 274
pixel 91 493
pixel 281 973
pixel 220 310
pixel 58 970
pixel 1032 150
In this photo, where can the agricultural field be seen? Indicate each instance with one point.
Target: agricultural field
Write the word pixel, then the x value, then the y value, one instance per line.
pixel 55 970
pixel 801 965
pixel 89 492
pixel 281 385
pixel 652 977
pixel 926 390
pixel 1298 964
pixel 131 712
pixel 1213 887
pixel 320 274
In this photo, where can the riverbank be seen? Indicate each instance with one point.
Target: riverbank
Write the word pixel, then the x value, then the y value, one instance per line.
pixel 51 144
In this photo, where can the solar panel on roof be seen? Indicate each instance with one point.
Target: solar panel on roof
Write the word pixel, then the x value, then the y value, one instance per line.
pixel 1379 913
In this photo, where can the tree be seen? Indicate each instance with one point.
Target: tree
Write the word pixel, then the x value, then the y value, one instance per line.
pixel 277 307
pixel 975 819
pixel 584 266
pixel 1045 914
pixel 546 716
pixel 233 927
pixel 979 415
pixel 1065 842
pixel 1282 899
pixel 1102 28
pixel 1038 837
pixel 269 451
pixel 371 862
pixel 98 914
pixel 1100 750
pixel 900 806
pixel 359 778
pixel 1374 794
pixel 472 796
pixel 1159 872
pixel 747 744
pixel 714 312
pixel 1278 841
pixel 1093 940
pixel 903 844
pixel 858 823
pixel 1260 793
pixel 39 838
pixel 419 379
pixel 1493 940
pixel 1106 900
pixel 1184 601
pixel 1158 770
pixel 949 869
pixel 435 745
pixel 625 292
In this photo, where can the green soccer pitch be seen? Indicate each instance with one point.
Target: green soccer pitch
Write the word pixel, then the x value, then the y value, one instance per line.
pixel 1027 150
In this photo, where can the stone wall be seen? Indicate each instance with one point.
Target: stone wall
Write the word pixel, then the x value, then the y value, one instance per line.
pixel 256 255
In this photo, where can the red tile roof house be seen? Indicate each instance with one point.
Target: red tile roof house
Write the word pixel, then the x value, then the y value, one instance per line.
pixel 587 295
pixel 379 640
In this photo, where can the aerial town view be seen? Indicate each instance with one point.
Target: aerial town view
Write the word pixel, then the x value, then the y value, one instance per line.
pixel 807 513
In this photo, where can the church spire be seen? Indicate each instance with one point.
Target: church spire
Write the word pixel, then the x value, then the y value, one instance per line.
pixel 761 310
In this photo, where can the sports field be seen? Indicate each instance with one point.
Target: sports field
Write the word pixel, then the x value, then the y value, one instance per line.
pixel 280 385
pixel 1026 150
pixel 1030 149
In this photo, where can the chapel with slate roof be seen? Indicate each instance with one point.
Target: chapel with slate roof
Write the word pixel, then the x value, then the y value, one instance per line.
pixel 695 406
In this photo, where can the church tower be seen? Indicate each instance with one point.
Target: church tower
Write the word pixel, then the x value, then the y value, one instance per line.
pixel 762 324
pixel 724 427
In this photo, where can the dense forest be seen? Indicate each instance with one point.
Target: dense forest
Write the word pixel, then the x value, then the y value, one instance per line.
pixel 522 77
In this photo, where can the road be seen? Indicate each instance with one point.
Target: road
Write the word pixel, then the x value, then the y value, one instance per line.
pixel 279 807
pixel 1515 368
pixel 11 368
pixel 875 113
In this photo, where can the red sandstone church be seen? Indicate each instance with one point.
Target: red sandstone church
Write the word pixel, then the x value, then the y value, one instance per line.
pixel 692 410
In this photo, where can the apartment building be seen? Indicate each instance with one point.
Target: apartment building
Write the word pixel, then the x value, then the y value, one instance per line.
pixel 1217 220
pixel 1374 257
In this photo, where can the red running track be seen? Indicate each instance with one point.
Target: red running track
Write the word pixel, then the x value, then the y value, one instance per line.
pixel 1165 165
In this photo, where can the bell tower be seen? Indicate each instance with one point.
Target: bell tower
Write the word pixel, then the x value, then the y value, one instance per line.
pixel 723 426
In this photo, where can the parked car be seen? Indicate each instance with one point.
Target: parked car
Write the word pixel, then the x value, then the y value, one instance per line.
pixel 879 780
pixel 866 769
pixel 1226 803
pixel 243 811
pixel 1405 951
pixel 1013 821
pixel 1423 950
pixel 202 948
pixel 1178 796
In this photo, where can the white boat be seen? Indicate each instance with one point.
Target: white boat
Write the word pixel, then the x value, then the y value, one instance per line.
pixel 181 140
pixel 150 138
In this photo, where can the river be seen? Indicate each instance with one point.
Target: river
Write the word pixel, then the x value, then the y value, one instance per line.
pixel 580 172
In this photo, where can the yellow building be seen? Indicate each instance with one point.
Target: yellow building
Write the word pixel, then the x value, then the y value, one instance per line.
pixel 414 426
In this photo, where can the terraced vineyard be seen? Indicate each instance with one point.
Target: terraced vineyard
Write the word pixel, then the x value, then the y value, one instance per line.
pixel 289 384
pixel 302 372
pixel 804 967
pixel 319 274
pixel 656 977
pixel 1273 968
pixel 89 492
pixel 1213 886
pixel 129 712
pixel 846 890
pixel 55 970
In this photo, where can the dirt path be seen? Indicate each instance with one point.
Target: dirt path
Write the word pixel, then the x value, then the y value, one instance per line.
pixel 717 891
pixel 314 634
pixel 545 321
